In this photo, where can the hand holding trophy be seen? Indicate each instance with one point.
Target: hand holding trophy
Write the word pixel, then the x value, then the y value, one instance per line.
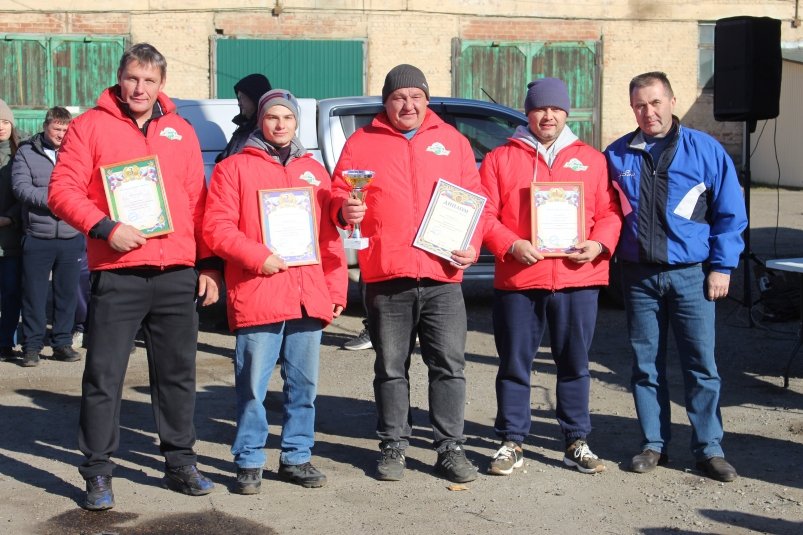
pixel 358 179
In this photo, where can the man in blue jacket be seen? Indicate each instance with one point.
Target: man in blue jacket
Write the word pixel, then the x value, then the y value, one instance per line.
pixel 682 236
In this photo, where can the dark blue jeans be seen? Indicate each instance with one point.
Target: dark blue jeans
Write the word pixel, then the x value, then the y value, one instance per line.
pixel 398 310
pixel 10 299
pixel 520 319
pixel 658 298
pixel 40 257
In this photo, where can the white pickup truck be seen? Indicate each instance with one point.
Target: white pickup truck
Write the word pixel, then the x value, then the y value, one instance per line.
pixel 324 126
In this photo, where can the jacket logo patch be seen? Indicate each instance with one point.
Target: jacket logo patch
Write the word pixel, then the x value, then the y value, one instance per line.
pixel 575 165
pixel 438 149
pixel 310 179
pixel 627 173
pixel 171 134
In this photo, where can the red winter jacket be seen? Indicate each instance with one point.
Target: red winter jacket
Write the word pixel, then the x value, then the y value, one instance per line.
pixel 406 174
pixel 233 228
pixel 104 135
pixel 507 173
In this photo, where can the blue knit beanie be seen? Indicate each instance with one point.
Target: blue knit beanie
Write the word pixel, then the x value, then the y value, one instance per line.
pixel 547 92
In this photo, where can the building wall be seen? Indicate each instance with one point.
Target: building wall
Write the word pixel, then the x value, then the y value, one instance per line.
pixel 637 36
pixel 781 136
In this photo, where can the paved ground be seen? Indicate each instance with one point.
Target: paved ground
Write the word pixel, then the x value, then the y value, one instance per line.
pixel 41 489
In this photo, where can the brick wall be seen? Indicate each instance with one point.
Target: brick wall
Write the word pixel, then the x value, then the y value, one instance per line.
pixel 184 41
pixel 636 37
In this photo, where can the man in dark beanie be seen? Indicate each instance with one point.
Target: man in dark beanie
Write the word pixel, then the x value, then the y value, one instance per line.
pixel 248 90
pixel 409 291
pixel 535 292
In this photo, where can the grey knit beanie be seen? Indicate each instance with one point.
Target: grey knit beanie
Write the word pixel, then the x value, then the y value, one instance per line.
pixel 280 97
pixel 547 92
pixel 402 76
pixel 5 113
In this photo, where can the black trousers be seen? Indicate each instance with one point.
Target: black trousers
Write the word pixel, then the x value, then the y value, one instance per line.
pixel 163 303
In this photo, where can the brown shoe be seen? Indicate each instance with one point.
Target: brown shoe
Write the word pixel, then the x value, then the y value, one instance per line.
pixel 718 468
pixel 647 460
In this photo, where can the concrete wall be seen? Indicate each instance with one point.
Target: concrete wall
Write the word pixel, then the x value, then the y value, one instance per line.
pixel 781 137
pixel 637 36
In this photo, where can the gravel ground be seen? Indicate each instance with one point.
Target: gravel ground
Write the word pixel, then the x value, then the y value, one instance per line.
pixel 41 489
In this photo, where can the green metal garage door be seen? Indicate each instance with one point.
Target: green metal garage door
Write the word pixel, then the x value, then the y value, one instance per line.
pixel 500 72
pixel 38 72
pixel 311 69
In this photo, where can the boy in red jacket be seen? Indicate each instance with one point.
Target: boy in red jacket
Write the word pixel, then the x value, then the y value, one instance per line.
pixel 267 217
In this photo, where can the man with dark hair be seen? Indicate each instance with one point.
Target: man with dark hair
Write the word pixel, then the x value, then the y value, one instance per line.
pixel 248 90
pixel 682 236
pixel 408 291
pixel 139 279
pixel 49 245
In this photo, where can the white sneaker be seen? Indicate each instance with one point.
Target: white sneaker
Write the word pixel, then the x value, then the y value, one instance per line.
pixel 77 340
pixel 506 459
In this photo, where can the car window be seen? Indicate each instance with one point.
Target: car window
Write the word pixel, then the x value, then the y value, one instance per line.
pixel 484 132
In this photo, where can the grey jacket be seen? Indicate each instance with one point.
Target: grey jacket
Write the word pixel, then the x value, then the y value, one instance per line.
pixel 30 178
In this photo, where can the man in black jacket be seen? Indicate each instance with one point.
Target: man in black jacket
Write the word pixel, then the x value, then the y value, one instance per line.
pixel 48 245
pixel 248 90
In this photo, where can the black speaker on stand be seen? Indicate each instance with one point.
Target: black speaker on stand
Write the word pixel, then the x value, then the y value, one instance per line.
pixel 747 88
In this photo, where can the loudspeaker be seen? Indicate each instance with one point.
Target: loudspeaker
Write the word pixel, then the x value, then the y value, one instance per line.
pixel 747 68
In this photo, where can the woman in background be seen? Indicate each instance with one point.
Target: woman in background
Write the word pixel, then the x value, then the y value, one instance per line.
pixel 10 248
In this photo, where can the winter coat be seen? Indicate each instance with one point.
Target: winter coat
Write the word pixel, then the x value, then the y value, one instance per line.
pixel 397 199
pixel 233 229
pixel 9 206
pixel 507 173
pixel 30 179
pixel 686 208
pixel 104 136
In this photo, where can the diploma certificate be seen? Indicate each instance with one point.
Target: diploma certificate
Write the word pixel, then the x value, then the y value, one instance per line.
pixel 558 217
pixel 289 224
pixel 450 220
pixel 136 195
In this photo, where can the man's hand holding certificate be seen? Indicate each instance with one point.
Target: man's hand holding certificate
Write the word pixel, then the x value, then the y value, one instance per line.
pixel 449 223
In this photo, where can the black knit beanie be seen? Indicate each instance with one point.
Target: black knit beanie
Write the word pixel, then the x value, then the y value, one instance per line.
pixel 404 76
pixel 254 86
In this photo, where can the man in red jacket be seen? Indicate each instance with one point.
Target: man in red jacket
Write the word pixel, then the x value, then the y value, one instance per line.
pixel 138 279
pixel 409 291
pixel 534 292
pixel 279 298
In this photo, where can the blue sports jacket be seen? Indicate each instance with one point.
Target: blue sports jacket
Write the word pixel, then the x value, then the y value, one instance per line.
pixel 687 208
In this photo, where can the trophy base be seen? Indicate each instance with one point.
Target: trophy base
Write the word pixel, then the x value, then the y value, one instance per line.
pixel 355 243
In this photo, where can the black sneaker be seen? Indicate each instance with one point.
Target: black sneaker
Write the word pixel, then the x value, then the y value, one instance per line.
pixel 66 354
pixel 361 341
pixel 454 465
pixel 187 480
pixel 249 480
pixel 391 464
pixel 8 353
pixel 304 474
pixel 30 358
pixel 99 495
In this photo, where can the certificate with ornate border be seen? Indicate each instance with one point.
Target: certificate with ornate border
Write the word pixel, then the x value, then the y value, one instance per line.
pixel 136 195
pixel 289 224
pixel 558 217
pixel 450 220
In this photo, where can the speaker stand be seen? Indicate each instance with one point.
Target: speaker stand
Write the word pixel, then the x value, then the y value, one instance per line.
pixel 747 255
